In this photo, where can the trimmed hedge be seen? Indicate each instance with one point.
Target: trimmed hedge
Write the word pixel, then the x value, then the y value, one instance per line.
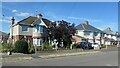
pixel 21 46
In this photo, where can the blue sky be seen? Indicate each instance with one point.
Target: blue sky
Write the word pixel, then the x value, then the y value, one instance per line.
pixel 99 14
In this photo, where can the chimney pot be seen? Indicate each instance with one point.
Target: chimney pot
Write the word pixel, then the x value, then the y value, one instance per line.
pixel 86 22
pixel 39 16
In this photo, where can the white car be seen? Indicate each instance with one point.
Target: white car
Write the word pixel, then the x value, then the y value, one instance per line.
pixel 96 45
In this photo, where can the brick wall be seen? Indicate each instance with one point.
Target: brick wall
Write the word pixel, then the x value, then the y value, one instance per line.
pixel 21 37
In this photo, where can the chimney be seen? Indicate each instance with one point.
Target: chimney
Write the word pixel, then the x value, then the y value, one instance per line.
pixel 109 28
pixel 39 16
pixel 86 22
pixel 13 20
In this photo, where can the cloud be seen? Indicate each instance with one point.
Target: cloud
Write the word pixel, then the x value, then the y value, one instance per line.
pixel 5 20
pixel 14 10
pixel 8 19
pixel 90 20
pixel 112 25
pixel 23 14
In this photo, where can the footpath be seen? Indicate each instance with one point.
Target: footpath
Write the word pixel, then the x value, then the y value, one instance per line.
pixel 45 54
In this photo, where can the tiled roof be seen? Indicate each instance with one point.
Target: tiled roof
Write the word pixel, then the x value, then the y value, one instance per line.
pixel 87 27
pixel 109 31
pixel 4 34
pixel 29 20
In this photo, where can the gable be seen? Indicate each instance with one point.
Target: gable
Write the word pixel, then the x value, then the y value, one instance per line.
pixel 39 22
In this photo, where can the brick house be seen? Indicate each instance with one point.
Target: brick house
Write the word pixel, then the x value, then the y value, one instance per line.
pixel 31 29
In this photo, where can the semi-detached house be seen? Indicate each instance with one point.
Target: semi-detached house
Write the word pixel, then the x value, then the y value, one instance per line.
pixel 89 32
pixel 31 29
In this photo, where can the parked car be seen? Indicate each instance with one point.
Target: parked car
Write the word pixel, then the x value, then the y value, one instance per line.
pixel 95 45
pixel 84 45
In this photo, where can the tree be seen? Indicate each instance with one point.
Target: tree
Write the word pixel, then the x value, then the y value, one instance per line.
pixel 62 31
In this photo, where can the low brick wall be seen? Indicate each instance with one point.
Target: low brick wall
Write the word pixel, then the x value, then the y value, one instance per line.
pixel 111 46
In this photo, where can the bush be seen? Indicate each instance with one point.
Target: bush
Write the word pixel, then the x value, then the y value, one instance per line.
pixel 103 46
pixel 47 46
pixel 5 47
pixel 31 49
pixel 21 46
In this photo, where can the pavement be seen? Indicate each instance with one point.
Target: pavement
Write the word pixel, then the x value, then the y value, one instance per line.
pixel 105 57
pixel 50 54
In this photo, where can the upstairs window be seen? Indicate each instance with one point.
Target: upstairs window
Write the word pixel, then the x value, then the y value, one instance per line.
pixel 86 33
pixel 38 28
pixel 24 28
pixel 41 29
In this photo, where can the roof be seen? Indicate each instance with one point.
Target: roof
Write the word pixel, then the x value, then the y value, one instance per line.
pixel 87 27
pixel 5 35
pixel 109 39
pixel 29 20
pixel 109 31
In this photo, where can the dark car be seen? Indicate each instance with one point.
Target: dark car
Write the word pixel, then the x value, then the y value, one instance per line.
pixel 84 45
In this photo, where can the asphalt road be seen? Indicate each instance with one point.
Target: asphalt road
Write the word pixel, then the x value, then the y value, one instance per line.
pixel 103 58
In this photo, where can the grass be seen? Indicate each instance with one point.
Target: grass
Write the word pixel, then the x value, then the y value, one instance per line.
pixel 15 59
pixel 68 54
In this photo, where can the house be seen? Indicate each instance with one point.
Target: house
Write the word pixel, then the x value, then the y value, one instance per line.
pixel 110 37
pixel 89 32
pixel 3 37
pixel 78 38
pixel 31 29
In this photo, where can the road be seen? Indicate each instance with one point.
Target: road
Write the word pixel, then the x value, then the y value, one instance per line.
pixel 103 58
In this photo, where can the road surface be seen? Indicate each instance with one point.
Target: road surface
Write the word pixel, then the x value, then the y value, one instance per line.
pixel 103 58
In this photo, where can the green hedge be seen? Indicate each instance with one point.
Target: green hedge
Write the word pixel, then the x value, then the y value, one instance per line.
pixel 21 46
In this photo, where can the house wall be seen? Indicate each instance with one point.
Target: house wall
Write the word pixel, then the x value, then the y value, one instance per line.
pixel 18 34
pixel 77 39
pixel 17 30
pixel 14 30
pixel 38 31
pixel 29 32
pixel 21 37
pixel 80 33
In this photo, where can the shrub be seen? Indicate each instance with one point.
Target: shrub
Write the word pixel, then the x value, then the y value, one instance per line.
pixel 31 49
pixel 47 46
pixel 21 46
pixel 5 47
pixel 103 46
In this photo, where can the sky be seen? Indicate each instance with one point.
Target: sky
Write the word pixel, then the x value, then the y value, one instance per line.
pixel 99 14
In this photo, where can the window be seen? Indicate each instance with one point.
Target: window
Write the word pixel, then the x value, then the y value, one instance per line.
pixel 76 31
pixel 41 29
pixel 39 41
pixel 86 33
pixel 24 28
pixel 38 29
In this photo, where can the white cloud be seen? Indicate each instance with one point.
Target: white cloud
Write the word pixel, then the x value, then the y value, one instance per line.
pixel 14 10
pixel 5 20
pixel 90 20
pixel 23 14
pixel 112 25
pixel 8 20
